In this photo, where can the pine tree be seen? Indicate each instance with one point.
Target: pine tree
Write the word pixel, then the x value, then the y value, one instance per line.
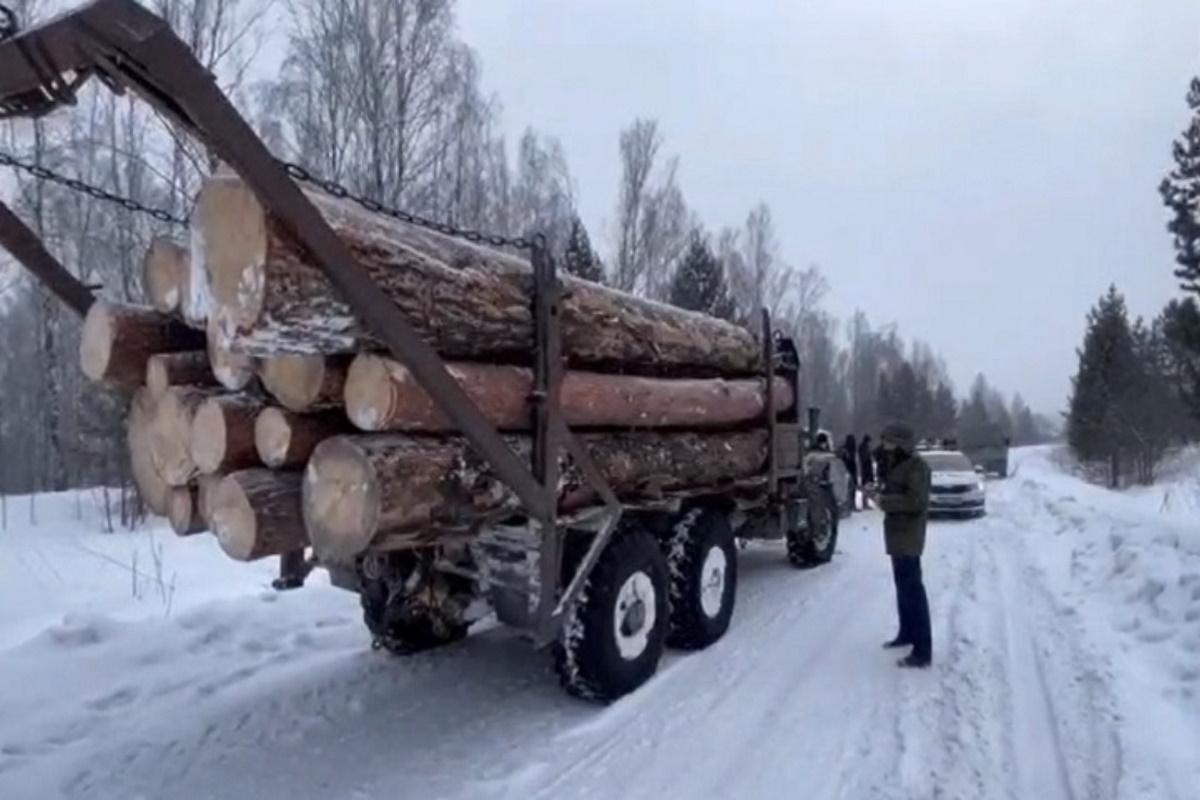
pixel 944 420
pixel 904 397
pixel 1025 429
pixel 1180 323
pixel 1103 404
pixel 975 423
pixel 579 258
pixel 1180 192
pixel 699 282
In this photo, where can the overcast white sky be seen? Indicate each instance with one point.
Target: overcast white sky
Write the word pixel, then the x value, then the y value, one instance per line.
pixel 977 172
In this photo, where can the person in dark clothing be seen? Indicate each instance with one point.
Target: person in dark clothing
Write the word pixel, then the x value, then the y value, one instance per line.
pixel 904 500
pixel 881 464
pixel 866 468
pixel 849 456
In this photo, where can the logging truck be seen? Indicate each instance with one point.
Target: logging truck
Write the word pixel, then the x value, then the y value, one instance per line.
pixel 436 417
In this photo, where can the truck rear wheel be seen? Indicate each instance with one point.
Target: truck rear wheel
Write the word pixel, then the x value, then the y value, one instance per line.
pixel 814 545
pixel 702 562
pixel 613 636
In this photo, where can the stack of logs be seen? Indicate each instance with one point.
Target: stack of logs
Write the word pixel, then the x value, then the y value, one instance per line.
pixel 264 411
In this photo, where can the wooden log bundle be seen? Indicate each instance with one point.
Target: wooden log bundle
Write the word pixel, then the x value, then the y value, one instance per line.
pixel 664 400
pixel 382 395
pixel 468 302
pixel 408 489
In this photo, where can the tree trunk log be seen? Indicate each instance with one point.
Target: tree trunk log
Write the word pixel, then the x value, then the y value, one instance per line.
pixel 360 488
pixel 150 484
pixel 222 434
pixel 382 395
pixel 165 370
pixel 286 440
pixel 117 341
pixel 183 511
pixel 232 370
pixel 165 275
pixel 467 301
pixel 171 432
pixel 305 383
pixel 256 513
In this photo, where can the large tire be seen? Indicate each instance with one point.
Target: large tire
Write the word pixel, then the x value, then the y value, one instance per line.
pixel 401 632
pixel 702 562
pixel 614 634
pixel 815 544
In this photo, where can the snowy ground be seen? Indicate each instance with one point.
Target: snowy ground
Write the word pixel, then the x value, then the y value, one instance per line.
pixel 1067 647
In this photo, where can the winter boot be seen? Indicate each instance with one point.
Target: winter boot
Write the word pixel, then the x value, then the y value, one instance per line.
pixel 912 660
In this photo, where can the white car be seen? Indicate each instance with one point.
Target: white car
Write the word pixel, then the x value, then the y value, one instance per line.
pixel 957 488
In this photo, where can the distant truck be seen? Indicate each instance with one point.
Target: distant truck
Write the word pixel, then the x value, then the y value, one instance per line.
pixel 987 448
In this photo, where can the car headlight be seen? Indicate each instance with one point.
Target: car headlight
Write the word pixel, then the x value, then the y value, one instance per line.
pixel 979 486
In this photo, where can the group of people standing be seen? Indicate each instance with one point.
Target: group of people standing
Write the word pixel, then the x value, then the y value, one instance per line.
pixel 866 465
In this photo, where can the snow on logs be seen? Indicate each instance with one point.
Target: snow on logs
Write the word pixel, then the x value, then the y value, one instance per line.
pixel 468 302
pixel 117 340
pixel 403 490
pixel 382 395
pixel 256 513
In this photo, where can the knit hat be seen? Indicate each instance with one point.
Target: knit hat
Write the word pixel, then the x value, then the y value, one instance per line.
pixel 900 435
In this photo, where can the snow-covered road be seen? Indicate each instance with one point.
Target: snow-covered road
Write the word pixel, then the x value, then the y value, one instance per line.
pixel 1052 679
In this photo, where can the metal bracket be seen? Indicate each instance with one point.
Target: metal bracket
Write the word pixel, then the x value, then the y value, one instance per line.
pixel 17 238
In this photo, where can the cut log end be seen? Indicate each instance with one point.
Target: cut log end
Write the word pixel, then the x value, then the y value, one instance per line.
pixel 303 383
pixel 341 499
pixel 255 513
pixel 234 227
pixel 370 399
pixel 96 341
pixel 233 519
pixel 232 370
pixel 150 483
pixel 164 275
pixel 183 511
pixel 209 436
pixel 272 436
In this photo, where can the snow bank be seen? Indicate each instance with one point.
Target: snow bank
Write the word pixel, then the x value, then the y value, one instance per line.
pixel 1127 563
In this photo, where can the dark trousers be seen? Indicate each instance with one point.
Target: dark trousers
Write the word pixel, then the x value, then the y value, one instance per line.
pixel 912 605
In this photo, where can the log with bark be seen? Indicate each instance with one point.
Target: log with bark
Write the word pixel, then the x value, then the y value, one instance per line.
pixel 205 486
pixel 467 301
pixel 256 513
pixel 286 440
pixel 232 370
pixel 165 275
pixel 183 511
pixel 117 340
pixel 222 434
pixel 190 368
pixel 382 395
pixel 361 490
pixel 151 485
pixel 171 432
pixel 305 383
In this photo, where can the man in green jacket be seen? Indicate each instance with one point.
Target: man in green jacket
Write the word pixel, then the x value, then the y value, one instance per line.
pixel 904 500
